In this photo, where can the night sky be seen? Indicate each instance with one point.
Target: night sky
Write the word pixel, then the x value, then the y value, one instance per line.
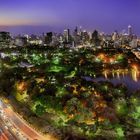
pixel 37 16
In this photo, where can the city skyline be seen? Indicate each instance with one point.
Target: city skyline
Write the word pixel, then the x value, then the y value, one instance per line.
pixel 37 17
pixel 69 69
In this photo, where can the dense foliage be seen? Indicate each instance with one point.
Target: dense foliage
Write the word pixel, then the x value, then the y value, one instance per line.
pixel 55 82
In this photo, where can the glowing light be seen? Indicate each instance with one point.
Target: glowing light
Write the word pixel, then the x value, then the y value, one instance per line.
pixel 111 60
pixel 101 119
pixel 101 56
pixel 105 73
pixel 118 74
pixel 113 74
pixel 134 75
pixel 135 67
pixel 135 72
pixel 21 86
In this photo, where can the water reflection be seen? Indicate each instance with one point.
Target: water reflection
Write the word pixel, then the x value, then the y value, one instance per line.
pixel 121 73
pixel 130 77
pixel 135 73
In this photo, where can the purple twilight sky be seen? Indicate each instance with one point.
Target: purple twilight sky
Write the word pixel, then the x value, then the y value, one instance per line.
pixel 37 16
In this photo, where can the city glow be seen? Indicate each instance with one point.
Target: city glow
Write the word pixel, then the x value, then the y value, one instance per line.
pixel 59 80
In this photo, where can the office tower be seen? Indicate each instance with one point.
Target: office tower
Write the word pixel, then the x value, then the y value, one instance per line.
pixel 129 30
pixel 5 39
pixel 75 31
pixel 20 41
pixel 48 38
pixel 80 30
pixel 115 36
pixel 134 42
pixel 66 35
pixel 85 36
pixel 4 36
pixel 95 38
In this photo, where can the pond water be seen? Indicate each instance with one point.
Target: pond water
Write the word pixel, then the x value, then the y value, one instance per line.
pixel 128 77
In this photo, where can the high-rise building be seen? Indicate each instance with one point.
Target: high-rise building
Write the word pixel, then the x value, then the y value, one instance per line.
pixel 85 36
pixel 130 30
pixel 48 38
pixel 20 41
pixel 115 39
pixel 75 31
pixel 95 38
pixel 134 42
pixel 66 35
pixel 115 36
pixel 5 39
pixel 80 30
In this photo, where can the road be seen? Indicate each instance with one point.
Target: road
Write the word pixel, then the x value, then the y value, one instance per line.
pixel 5 132
pixel 20 129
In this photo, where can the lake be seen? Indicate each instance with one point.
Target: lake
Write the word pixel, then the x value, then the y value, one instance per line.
pixel 129 77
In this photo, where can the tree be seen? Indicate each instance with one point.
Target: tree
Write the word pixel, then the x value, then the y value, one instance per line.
pixel 40 110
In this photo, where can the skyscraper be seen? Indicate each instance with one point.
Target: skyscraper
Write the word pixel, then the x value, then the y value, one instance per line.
pixel 48 37
pixel 95 38
pixel 129 30
pixel 115 36
pixel 76 31
pixel 5 39
pixel 67 35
